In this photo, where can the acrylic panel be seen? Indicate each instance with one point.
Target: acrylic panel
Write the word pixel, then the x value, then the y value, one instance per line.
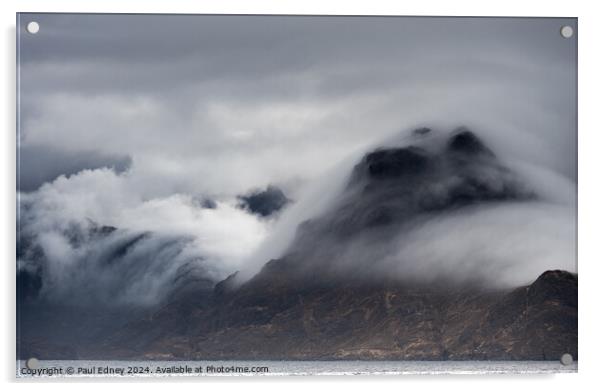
pixel 281 194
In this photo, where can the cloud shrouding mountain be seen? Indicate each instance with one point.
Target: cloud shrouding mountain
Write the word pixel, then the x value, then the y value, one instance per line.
pixel 210 107
pixel 93 239
pixel 428 208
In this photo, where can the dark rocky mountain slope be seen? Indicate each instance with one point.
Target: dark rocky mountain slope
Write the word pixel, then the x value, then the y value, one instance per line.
pixel 313 303
pixel 264 203
pixel 276 317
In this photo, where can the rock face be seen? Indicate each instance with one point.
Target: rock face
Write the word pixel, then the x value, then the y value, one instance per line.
pixel 395 185
pixel 264 202
pixel 306 306
pixel 276 317
pixel 391 191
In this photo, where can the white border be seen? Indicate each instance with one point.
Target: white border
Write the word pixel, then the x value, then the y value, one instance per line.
pixel 590 166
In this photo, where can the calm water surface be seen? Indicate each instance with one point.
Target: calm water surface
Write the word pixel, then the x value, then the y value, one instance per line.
pixel 262 368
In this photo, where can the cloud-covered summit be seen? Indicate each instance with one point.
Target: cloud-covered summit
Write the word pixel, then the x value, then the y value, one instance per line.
pixel 433 206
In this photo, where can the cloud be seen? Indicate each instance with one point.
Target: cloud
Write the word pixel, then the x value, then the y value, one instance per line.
pixel 38 165
pixel 503 246
pixel 226 98
pixel 94 239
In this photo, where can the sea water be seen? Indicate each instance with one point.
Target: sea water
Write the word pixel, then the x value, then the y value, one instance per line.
pixel 84 368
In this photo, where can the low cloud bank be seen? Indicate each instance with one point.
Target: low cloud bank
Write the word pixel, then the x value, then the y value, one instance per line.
pixel 457 215
pixel 92 238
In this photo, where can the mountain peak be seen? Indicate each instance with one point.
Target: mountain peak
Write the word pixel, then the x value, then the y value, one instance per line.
pixel 464 141
pixel 391 185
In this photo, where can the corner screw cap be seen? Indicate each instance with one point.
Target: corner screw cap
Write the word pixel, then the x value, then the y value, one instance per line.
pixel 32 363
pixel 566 359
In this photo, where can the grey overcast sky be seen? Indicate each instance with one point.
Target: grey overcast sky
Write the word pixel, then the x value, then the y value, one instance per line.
pixel 220 104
